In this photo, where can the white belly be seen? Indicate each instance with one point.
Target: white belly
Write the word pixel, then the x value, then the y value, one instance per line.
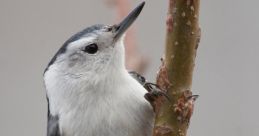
pixel 117 111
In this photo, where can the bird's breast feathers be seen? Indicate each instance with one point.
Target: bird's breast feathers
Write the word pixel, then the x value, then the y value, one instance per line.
pixel 116 107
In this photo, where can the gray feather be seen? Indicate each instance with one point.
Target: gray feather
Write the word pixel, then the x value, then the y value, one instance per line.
pixel 138 77
pixel 53 125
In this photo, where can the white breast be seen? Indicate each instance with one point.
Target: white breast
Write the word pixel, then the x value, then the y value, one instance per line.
pixel 114 107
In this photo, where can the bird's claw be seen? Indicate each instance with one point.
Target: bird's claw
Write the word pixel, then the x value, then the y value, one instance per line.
pixel 155 95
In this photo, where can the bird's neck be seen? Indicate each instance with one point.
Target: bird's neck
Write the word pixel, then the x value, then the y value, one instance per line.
pixel 66 93
pixel 118 61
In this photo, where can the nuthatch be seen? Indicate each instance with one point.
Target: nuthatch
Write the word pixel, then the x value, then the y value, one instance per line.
pixel 89 90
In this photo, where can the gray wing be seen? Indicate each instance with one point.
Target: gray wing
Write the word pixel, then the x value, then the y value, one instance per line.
pixel 53 126
pixel 138 77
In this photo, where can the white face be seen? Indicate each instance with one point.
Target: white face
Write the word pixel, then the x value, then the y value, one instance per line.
pixel 93 53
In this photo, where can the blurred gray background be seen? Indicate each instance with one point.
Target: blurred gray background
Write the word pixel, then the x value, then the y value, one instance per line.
pixel 226 74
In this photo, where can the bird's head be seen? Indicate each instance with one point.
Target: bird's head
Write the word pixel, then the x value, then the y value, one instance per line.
pixel 94 50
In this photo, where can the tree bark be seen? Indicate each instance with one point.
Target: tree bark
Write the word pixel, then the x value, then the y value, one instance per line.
pixel 175 75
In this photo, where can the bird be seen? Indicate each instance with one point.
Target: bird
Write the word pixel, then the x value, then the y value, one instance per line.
pixel 89 90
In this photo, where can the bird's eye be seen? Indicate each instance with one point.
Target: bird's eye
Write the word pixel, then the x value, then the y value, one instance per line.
pixel 91 49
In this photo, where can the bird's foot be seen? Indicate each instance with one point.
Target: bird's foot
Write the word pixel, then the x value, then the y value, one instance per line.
pixel 155 95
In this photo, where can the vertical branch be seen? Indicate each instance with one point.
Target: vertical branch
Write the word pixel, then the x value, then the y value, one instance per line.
pixel 175 74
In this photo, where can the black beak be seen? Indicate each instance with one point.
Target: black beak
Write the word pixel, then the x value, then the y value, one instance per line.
pixel 126 23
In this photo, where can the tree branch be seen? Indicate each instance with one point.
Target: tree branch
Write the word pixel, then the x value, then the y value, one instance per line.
pixel 175 75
